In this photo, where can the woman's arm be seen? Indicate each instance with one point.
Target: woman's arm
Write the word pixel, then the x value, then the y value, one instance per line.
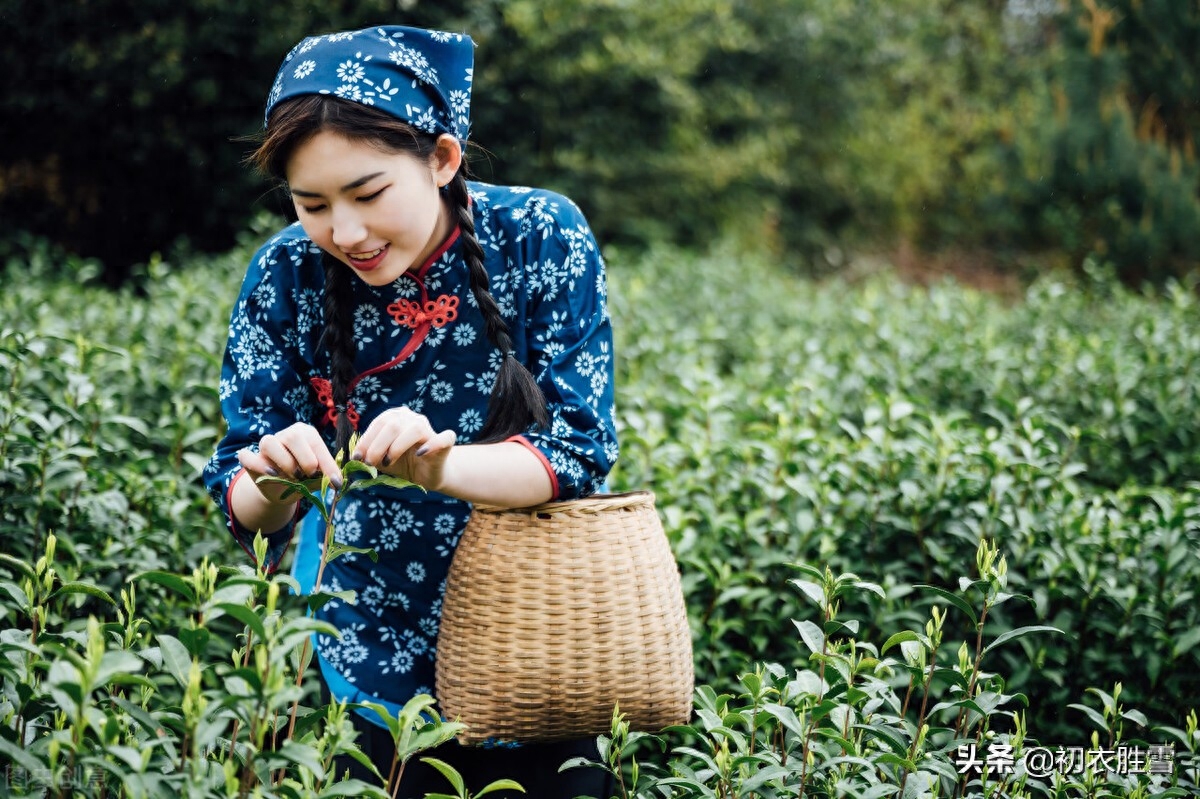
pixel 508 474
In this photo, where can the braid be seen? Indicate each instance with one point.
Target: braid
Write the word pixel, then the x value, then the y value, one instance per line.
pixel 337 336
pixel 516 402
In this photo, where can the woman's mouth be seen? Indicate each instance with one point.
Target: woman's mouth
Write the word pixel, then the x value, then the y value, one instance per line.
pixel 366 261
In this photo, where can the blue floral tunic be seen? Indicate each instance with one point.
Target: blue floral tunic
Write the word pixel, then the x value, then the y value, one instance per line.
pixel 421 343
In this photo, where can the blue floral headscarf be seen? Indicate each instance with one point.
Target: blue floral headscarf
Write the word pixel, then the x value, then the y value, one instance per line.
pixel 421 76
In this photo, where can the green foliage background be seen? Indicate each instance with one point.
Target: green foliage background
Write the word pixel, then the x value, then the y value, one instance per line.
pixel 871 426
pixel 856 422
pixel 1066 127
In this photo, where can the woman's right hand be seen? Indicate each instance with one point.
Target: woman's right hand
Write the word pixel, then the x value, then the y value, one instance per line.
pixel 297 452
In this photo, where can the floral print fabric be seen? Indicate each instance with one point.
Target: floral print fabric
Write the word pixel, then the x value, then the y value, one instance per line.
pixel 548 278
pixel 420 76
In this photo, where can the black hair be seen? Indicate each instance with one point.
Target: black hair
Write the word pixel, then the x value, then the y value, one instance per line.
pixel 516 402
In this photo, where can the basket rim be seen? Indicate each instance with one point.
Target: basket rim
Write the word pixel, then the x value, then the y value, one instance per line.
pixel 595 503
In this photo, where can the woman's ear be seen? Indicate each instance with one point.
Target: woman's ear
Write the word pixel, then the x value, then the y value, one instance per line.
pixel 447 158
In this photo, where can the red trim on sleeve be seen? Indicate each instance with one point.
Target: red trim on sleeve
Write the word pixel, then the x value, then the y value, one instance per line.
pixel 542 457
pixel 233 524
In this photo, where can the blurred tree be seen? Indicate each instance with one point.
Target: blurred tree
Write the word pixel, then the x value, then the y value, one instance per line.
pixel 120 122
pixel 1121 178
pixel 795 124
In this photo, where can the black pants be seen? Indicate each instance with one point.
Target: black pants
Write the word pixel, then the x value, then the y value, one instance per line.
pixel 534 766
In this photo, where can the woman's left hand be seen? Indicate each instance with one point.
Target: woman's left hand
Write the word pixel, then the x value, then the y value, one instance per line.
pixel 402 443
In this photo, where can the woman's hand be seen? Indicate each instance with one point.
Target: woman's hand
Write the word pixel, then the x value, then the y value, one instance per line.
pixel 402 443
pixel 296 452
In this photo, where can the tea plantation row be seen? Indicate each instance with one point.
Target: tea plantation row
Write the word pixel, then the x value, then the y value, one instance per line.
pixel 1018 477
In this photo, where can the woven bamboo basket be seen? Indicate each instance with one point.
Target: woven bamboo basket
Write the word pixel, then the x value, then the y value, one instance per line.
pixel 554 614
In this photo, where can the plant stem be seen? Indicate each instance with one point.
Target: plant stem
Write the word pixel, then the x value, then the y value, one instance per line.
pixel 306 653
pixel 912 752
pixel 960 723
pixel 395 775
pixel 245 664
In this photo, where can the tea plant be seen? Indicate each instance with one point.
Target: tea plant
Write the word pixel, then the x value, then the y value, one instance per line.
pixel 856 721
pixel 864 423
pixel 888 426
pixel 113 707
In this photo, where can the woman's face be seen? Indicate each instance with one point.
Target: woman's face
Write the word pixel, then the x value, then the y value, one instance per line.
pixel 379 213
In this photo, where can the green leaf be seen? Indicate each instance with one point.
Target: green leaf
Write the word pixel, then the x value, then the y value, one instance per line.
pixel 176 658
pixel 336 550
pixel 358 467
pixel 18 596
pixel 116 665
pixel 1091 713
pixel 196 640
pixel 1019 633
pixel 304 756
pixel 894 760
pixel 1137 717
pixel 886 734
pixel 812 590
pixel 812 636
pixel 448 771
pixel 353 787
pixel 15 754
pixel 83 588
pixel 176 583
pixel 898 638
pixel 18 565
pixel 500 785
pixel 294 487
pixel 1185 642
pixel 953 599
pixel 245 615
pixel 318 600
pixel 381 480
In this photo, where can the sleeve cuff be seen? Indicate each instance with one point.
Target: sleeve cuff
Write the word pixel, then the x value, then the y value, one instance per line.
pixel 277 542
pixel 554 487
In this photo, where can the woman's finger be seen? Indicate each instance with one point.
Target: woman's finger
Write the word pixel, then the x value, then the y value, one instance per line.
pixel 391 435
pixel 300 452
pixel 256 464
pixel 442 441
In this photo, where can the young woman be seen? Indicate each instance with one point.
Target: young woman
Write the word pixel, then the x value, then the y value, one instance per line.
pixel 459 328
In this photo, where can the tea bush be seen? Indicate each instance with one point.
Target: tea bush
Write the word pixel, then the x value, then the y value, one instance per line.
pixel 889 426
pixel 870 426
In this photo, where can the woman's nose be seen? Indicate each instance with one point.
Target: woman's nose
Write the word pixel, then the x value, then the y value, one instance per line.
pixel 348 230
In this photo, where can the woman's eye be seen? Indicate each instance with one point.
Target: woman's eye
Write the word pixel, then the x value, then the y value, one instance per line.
pixel 369 197
pixel 313 209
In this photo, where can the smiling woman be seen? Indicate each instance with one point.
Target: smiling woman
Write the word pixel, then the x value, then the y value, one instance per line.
pixel 407 304
pixel 382 222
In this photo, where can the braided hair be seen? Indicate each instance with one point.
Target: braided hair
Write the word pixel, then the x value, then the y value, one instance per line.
pixel 516 401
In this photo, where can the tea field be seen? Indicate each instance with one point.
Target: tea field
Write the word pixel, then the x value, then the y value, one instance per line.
pixel 923 533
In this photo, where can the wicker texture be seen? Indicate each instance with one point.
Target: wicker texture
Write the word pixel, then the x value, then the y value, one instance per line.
pixel 553 614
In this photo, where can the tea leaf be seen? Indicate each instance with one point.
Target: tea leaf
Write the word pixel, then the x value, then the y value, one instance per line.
pixel 337 550
pixel 176 658
pixel 953 599
pixel 1020 632
pixel 449 772
pixel 500 785
pixel 23 568
pixel 898 638
pixel 22 758
pixel 1186 642
pixel 812 636
pixel 245 615
pixel 176 583
pixel 383 479
pixel 83 588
